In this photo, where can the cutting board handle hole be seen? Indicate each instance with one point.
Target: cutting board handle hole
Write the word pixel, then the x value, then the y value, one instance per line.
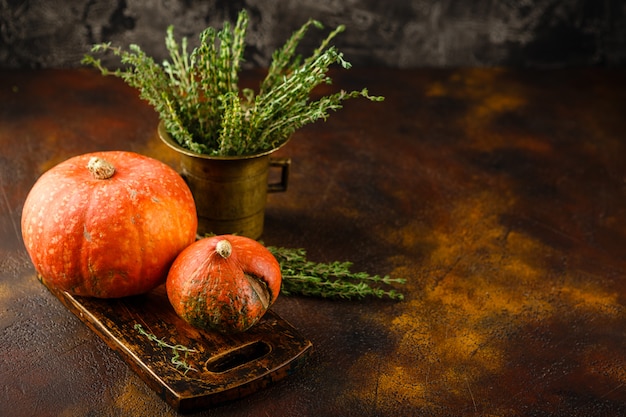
pixel 237 357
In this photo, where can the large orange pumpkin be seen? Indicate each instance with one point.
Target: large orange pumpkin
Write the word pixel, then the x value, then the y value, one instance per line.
pixel 107 224
pixel 224 283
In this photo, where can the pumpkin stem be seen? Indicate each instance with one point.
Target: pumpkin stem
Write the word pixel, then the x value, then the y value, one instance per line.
pixel 224 248
pixel 101 169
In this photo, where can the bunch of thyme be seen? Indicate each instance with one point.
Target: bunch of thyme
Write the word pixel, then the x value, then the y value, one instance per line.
pixel 197 96
pixel 177 360
pixel 329 280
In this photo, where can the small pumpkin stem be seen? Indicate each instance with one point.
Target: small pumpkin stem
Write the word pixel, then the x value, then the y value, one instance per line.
pixel 101 169
pixel 224 248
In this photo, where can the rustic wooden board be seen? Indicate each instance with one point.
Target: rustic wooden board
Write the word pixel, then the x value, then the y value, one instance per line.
pixel 225 367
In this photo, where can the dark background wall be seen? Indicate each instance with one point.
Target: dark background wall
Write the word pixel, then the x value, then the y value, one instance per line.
pixel 395 33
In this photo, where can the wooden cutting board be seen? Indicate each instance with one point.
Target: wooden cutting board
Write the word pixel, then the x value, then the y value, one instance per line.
pixel 219 368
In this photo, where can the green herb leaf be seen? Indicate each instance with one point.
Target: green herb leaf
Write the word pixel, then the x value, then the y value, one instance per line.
pixel 177 360
pixel 329 280
pixel 197 96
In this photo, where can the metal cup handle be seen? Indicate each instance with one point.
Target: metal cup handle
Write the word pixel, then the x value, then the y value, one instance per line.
pixel 283 164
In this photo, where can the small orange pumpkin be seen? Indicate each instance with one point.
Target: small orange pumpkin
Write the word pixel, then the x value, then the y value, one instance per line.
pixel 224 283
pixel 107 224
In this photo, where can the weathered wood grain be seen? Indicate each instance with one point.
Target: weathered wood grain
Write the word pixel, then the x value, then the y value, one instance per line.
pixel 220 367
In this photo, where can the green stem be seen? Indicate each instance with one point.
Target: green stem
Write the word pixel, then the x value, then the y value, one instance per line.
pixel 329 280
pixel 197 96
pixel 176 360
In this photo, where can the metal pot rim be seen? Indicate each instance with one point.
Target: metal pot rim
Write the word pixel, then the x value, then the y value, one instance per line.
pixel 169 141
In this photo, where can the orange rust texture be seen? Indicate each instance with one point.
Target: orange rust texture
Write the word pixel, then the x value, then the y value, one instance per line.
pixel 508 220
pixel 500 195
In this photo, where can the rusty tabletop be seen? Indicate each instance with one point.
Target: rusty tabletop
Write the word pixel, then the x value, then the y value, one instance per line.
pixel 500 195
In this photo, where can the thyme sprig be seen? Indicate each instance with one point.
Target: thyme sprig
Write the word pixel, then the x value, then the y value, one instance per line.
pixel 329 280
pixel 177 360
pixel 197 95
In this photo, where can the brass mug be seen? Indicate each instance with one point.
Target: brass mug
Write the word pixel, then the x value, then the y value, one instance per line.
pixel 230 192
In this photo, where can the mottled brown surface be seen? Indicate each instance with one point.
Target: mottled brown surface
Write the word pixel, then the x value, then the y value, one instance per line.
pixel 500 195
